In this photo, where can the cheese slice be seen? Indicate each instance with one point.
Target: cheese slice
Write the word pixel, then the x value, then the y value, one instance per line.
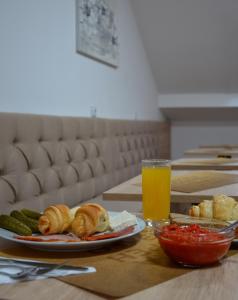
pixel 122 220
pixel 72 212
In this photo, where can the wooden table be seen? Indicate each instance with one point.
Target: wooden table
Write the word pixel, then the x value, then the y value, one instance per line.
pixel 204 164
pixel 219 282
pixel 212 283
pixel 211 152
pixel 131 190
pixel 225 146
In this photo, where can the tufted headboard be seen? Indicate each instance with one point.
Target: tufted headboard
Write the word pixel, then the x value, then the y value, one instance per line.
pixel 54 159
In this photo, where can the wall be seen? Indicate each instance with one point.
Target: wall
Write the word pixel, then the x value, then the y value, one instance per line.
pixel 40 71
pixel 187 135
pixel 189 131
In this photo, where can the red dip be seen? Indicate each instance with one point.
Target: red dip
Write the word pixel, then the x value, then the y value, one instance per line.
pixel 193 245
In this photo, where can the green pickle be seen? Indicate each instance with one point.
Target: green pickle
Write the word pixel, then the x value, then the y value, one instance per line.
pixel 32 223
pixel 31 213
pixel 12 224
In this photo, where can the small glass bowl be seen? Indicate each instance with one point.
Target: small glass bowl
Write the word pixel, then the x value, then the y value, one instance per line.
pixel 193 249
pixel 204 222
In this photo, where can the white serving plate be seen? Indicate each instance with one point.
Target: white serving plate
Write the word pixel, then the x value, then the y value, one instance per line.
pixel 73 246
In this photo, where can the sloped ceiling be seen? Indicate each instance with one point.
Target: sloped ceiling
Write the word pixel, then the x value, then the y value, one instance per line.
pixel 192 45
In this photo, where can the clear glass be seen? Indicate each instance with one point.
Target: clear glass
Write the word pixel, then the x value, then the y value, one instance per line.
pixel 156 182
pixel 193 249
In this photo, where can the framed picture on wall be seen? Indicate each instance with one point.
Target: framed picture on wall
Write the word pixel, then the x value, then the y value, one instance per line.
pixel 96 30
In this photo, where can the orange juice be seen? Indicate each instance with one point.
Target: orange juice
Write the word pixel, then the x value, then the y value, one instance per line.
pixel 156 192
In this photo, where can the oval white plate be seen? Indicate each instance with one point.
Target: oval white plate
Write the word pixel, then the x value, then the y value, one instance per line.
pixel 75 246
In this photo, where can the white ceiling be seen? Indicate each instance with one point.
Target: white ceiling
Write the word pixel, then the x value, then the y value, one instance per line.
pixel 192 45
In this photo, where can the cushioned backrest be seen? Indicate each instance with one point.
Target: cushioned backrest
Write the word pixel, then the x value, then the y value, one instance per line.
pixel 52 159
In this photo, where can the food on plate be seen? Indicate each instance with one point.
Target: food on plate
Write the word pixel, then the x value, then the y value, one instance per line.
pixel 33 224
pixel 14 225
pixel 193 245
pixel 58 223
pixel 69 238
pixel 225 208
pixel 55 219
pixel 109 235
pixel 88 219
pixel 31 213
pixel 221 207
pixel 122 220
pixel 73 211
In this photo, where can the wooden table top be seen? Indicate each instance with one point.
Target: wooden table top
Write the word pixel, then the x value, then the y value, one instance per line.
pixel 211 152
pixel 226 146
pixel 218 282
pixel 132 190
pixel 212 283
pixel 205 164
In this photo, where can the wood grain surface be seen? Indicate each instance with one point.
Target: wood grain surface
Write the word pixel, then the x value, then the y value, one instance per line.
pixel 132 190
pixel 205 164
pixel 211 152
pixel 214 283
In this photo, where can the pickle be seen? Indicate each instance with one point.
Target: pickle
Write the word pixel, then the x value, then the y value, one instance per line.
pixel 12 224
pixel 31 213
pixel 33 224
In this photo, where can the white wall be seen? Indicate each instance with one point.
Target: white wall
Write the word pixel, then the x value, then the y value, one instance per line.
pixel 187 135
pixel 40 71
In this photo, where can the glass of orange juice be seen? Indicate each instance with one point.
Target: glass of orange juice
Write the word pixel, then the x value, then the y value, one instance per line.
pixel 156 178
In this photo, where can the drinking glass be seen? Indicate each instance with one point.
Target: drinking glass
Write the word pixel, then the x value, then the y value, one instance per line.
pixel 156 181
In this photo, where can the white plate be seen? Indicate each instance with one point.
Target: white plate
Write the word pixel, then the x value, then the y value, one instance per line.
pixel 74 246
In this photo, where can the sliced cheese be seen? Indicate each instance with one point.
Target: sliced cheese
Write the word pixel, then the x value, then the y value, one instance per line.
pixel 72 212
pixel 122 220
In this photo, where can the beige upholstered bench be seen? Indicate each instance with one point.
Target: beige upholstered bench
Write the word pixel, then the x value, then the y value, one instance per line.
pixel 54 159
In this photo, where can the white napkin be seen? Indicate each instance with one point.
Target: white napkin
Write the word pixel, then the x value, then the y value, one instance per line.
pixel 54 273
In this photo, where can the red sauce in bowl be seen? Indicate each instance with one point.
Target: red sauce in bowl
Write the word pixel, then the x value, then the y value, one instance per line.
pixel 193 245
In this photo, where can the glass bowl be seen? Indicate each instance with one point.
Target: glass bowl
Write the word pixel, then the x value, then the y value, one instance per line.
pixel 187 220
pixel 192 243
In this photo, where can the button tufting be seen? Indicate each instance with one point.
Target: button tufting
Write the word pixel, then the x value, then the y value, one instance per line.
pixel 15 140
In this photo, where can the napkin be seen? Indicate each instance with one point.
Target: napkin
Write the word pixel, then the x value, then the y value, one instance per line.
pixel 15 267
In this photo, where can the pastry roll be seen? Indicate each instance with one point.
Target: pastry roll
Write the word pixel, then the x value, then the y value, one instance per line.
pixel 194 211
pixel 235 212
pixel 223 207
pixel 90 218
pixel 206 209
pixel 203 209
pixel 56 219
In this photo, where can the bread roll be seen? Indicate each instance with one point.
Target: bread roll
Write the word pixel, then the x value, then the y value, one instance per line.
pixel 90 218
pixel 235 212
pixel 221 207
pixel 194 211
pixel 56 219
pixel 206 209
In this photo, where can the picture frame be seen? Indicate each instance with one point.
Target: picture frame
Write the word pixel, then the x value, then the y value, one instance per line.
pixel 96 31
